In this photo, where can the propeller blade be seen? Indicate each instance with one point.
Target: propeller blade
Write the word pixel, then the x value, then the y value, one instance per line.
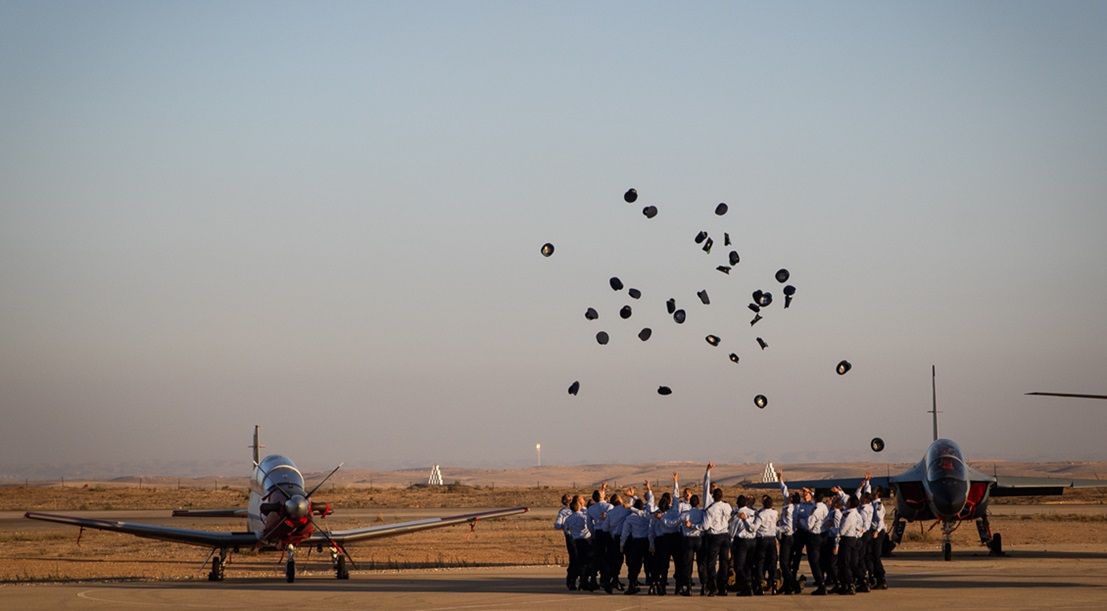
pixel 324 480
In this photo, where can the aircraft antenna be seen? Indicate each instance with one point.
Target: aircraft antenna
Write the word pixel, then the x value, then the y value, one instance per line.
pixel 257 446
pixel 934 395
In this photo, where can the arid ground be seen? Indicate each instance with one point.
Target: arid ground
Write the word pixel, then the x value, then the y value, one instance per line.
pixel 33 551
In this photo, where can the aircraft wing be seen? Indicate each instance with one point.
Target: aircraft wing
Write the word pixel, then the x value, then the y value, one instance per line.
pixel 390 530
pixel 1007 485
pixel 209 513
pixel 165 533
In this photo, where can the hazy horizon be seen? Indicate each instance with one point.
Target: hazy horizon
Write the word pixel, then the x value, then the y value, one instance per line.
pixel 326 219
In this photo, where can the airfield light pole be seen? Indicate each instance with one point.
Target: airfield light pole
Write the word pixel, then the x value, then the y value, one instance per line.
pixel 538 448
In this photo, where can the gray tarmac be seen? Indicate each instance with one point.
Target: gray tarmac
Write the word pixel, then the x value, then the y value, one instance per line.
pixel 1072 577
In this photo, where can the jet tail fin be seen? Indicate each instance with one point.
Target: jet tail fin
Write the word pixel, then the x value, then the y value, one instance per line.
pixel 934 395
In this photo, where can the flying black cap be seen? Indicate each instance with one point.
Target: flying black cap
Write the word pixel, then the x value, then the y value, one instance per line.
pixel 761 401
pixel 700 237
pixel 625 312
pixel 734 258
pixel 756 318
pixel 761 342
pixel 574 387
pixel 789 290
pixel 707 245
pixel 766 299
pixel 650 211
pixel 720 209
pixel 547 249
pixel 591 314
pixel 782 275
pixel 616 284
pixel 733 357
pixel 877 444
pixel 664 390
pixel 843 367
pixel 725 269
pixel 679 316
pixel 755 307
pixel 726 239
pixel 645 334
pixel 713 340
pixel 703 297
pixel 602 338
pixel 670 305
pixel 634 293
pixel 757 296
pixel 630 196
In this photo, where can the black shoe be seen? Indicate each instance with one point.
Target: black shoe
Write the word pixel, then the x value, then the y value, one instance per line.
pixel 882 585
pixel 633 589
pixel 864 587
pixel 819 592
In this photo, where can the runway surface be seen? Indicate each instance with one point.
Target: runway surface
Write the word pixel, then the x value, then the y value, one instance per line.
pixel 1074 577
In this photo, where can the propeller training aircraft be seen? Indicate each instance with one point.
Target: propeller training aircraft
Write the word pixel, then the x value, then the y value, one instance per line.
pixel 942 487
pixel 280 516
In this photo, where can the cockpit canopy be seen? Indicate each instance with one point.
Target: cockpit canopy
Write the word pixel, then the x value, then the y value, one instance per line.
pixel 279 470
pixel 945 461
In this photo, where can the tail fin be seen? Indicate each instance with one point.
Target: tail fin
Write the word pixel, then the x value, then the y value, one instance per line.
pixel 934 394
pixel 257 446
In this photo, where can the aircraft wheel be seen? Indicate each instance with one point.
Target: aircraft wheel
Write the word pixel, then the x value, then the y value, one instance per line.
pixel 947 551
pixel 216 569
pixel 290 571
pixel 342 573
pixel 996 545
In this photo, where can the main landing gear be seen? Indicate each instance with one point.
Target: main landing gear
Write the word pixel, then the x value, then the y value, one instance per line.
pixel 988 539
pixel 218 566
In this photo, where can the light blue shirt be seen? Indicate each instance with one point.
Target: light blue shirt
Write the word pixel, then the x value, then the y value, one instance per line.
pixel 577 526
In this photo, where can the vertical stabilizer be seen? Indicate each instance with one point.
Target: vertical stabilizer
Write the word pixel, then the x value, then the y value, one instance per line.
pixel 257 446
pixel 934 395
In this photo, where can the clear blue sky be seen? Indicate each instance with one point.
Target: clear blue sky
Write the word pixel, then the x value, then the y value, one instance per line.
pixel 326 218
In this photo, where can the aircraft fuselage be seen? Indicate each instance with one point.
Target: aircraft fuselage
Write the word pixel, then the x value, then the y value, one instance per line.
pixel 279 511
pixel 941 487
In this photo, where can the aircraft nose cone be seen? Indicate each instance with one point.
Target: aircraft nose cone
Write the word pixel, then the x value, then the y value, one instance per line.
pixel 949 496
pixel 297 506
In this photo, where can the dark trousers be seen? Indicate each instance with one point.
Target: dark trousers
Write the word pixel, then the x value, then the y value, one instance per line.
pixel 799 543
pixel 717 561
pixel 636 550
pixel 829 560
pixel 693 556
pixel 614 561
pixel 741 559
pixel 585 559
pixel 601 546
pixel 786 570
pixel 849 562
pixel 667 551
pixel 814 550
pixel 765 561
pixel 876 548
pixel 573 572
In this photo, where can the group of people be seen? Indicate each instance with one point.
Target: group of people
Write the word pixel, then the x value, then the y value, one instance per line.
pixel 741 548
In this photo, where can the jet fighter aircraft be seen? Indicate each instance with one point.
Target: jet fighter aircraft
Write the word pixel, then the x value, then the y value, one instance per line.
pixel 944 488
pixel 279 517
